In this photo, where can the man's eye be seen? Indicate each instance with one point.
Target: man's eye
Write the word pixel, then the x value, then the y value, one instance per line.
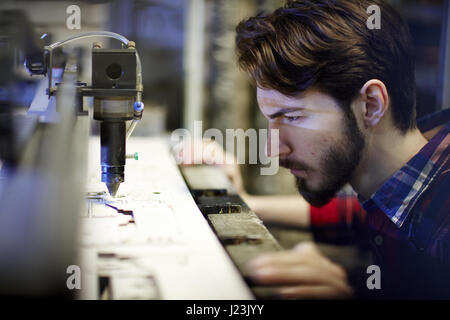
pixel 292 118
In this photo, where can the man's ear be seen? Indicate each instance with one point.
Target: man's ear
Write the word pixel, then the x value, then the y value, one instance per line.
pixel 375 102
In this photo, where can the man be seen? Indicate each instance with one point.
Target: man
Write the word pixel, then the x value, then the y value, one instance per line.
pixel 343 99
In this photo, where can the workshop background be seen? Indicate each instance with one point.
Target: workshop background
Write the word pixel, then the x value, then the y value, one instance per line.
pixel 189 64
pixel 190 72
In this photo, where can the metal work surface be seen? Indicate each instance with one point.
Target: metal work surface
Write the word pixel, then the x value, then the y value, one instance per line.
pixel 239 229
pixel 151 241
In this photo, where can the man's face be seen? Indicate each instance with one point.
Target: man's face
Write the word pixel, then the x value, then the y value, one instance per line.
pixel 319 142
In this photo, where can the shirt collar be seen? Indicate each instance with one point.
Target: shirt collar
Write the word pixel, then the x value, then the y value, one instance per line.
pixel 398 195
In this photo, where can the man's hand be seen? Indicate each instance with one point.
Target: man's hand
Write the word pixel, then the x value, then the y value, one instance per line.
pixel 301 273
pixel 210 153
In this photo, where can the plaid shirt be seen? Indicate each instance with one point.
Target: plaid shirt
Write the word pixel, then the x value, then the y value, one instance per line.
pixel 406 225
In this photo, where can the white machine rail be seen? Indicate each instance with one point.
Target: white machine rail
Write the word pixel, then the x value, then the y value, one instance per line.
pixel 159 246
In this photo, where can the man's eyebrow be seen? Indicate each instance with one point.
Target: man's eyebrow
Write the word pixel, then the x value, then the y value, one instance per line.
pixel 283 111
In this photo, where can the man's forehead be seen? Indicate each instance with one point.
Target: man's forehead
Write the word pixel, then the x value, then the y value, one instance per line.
pixel 274 98
pixel 312 99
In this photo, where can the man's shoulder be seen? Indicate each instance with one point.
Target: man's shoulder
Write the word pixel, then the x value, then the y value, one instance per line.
pixel 431 218
pixel 436 197
pixel 436 186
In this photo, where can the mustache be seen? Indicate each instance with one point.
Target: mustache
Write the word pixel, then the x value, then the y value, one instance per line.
pixel 293 164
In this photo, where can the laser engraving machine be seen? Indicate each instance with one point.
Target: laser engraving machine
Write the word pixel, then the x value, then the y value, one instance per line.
pixel 117 91
pixel 43 152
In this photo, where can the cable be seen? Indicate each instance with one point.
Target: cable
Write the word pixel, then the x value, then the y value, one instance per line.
pixel 107 34
pixel 124 40
pixel 89 35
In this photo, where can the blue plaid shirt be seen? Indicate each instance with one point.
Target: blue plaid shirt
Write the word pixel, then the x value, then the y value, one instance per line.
pixel 407 225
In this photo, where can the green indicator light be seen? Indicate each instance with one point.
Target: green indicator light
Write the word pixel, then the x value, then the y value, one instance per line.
pixel 136 156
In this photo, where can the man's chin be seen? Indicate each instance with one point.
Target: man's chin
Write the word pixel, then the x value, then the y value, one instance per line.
pixel 315 198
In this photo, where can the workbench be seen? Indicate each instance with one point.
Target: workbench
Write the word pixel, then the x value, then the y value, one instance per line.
pixel 154 242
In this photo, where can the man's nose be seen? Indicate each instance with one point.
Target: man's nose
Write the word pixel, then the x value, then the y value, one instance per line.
pixel 277 149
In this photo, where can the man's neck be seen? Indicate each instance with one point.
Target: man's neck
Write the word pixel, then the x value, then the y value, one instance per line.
pixel 385 153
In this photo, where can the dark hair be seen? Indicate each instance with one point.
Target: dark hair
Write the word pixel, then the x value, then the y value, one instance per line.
pixel 327 44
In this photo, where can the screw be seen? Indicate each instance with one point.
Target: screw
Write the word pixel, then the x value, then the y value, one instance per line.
pixel 132 156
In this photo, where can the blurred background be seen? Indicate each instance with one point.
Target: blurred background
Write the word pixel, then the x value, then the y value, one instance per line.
pixel 189 67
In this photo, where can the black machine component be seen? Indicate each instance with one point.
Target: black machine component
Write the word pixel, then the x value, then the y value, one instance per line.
pixel 113 70
pixel 18 44
pixel 117 92
pixel 112 157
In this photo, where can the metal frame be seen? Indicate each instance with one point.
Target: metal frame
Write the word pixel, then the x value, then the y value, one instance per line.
pixel 443 94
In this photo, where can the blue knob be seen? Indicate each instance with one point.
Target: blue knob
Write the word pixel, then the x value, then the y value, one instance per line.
pixel 138 106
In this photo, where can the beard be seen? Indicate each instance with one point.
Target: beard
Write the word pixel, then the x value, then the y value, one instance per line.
pixel 337 165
